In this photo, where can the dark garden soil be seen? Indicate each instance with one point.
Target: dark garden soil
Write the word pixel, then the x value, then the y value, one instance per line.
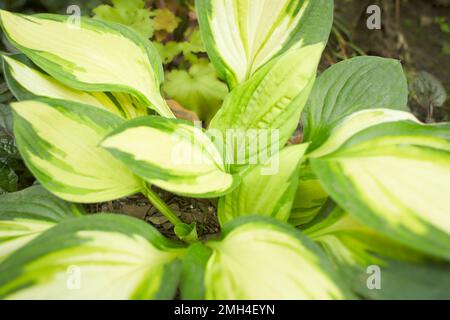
pixel 414 31
pixel 201 211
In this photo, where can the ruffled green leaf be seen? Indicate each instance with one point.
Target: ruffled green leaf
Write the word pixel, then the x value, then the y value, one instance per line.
pixel 132 13
pixel 197 89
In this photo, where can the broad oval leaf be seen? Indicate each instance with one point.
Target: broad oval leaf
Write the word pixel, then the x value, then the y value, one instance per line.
pixel 59 142
pixel 91 55
pixel 172 154
pixel 266 190
pixel 94 257
pixel 394 177
pixel 350 86
pixel 243 35
pixel 267 107
pixel 26 214
pixel 259 258
pixel 28 83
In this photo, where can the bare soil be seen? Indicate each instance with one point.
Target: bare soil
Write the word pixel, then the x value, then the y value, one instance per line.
pixel 201 211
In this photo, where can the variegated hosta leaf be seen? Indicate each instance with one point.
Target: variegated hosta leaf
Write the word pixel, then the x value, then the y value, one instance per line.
pixel 394 177
pixel 59 142
pixel 309 198
pixel 267 107
pixel 259 258
pixel 172 154
pixel 243 35
pixel 90 56
pixel 95 257
pixel 357 122
pixel 28 83
pixel 355 249
pixel 350 86
pixel 266 190
pixel 349 242
pixel 26 214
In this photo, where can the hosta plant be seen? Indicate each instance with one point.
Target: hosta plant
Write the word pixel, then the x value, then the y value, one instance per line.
pixel 368 187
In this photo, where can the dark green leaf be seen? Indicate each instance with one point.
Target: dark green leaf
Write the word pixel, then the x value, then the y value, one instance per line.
pixel 350 86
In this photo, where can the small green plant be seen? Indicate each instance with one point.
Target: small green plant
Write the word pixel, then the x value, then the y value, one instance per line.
pixel 368 187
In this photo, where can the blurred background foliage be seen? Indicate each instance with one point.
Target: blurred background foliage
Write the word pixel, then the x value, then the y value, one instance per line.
pixel 417 32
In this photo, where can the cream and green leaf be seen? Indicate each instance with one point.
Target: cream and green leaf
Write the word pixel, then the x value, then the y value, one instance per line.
pixel 394 177
pixel 241 36
pixel 172 154
pixel 269 103
pixel 59 142
pixel 351 86
pixel 259 258
pixel 93 56
pixel 357 122
pixel 265 190
pixel 26 214
pixel 26 82
pixel 94 257
pixel 353 248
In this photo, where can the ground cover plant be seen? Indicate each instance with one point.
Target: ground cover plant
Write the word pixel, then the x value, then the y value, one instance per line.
pixel 365 190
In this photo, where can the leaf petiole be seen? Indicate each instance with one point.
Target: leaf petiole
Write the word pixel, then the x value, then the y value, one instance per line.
pixel 159 204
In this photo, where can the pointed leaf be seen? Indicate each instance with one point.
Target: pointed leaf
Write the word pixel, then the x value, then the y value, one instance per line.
pixel 93 56
pixel 58 141
pixel 394 177
pixel 242 35
pixel 269 103
pixel 28 83
pixel 172 154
